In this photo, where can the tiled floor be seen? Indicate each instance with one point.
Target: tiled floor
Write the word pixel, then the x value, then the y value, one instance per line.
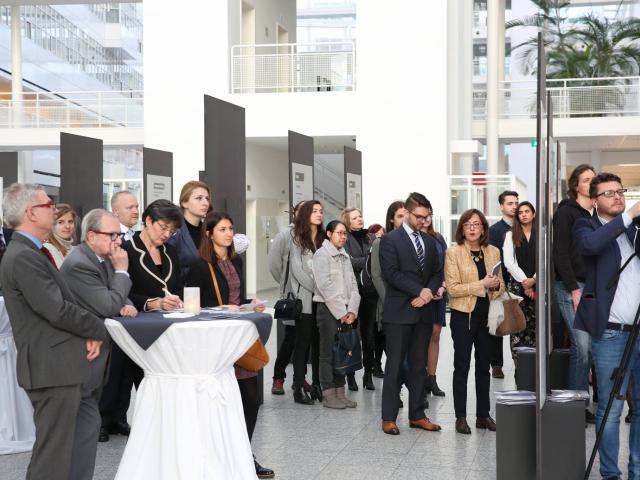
pixel 305 442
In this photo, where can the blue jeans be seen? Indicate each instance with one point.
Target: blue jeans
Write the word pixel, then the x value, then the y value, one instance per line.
pixel 579 362
pixel 607 352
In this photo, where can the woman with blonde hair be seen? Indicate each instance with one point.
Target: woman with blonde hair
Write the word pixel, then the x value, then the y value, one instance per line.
pixel 62 238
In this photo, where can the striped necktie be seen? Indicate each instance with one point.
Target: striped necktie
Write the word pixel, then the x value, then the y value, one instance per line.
pixel 419 249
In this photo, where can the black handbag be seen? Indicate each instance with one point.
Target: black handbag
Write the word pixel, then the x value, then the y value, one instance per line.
pixel 347 351
pixel 288 308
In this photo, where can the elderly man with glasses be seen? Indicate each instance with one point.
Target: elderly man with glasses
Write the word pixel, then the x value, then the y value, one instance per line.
pixel 96 272
pixel 57 340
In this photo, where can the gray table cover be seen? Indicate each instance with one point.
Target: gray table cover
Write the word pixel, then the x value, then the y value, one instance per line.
pixel 148 326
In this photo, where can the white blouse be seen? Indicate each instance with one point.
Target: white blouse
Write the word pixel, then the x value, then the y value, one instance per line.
pixel 510 261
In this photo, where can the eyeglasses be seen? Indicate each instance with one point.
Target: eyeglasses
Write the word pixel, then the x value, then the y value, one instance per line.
pixel 166 228
pixel 421 218
pixel 612 193
pixel 113 235
pixel 472 226
pixel 50 204
pixel 341 234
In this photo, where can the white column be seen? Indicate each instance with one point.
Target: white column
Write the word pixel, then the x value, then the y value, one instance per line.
pixel 459 81
pixel 16 65
pixel 495 48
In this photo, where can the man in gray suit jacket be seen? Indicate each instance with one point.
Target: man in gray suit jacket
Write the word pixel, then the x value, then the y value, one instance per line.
pixel 56 339
pixel 96 272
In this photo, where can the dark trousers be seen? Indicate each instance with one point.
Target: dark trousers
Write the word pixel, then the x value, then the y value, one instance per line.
pixel 412 342
pixel 116 394
pixel 55 412
pixel 367 325
pixel 467 334
pixel 306 336
pixel 250 395
pixel 495 351
pixel 285 353
pixel 328 327
pixel 378 337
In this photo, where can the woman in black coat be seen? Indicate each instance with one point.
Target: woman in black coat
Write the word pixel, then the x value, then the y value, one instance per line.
pixel 217 251
pixel 154 268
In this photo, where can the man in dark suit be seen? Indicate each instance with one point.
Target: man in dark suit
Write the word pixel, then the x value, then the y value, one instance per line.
pixel 508 201
pixel 411 274
pixel 55 338
pixel 96 272
pixel 607 309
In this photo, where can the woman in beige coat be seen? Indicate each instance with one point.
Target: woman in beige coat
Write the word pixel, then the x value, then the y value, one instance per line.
pixel 471 285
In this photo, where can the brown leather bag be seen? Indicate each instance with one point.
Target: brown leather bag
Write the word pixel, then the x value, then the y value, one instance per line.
pixel 257 356
pixel 514 319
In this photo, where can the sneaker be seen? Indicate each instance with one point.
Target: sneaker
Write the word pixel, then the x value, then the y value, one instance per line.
pixel 278 386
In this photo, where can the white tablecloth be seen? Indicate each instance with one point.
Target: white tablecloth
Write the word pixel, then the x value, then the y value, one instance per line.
pixel 188 422
pixel 17 431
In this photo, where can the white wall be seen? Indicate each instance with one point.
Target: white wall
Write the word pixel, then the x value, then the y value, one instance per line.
pixel 270 12
pixel 397 114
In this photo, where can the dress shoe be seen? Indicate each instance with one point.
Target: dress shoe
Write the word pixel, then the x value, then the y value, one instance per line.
pixel 589 417
pixel 351 381
pixel 496 372
pixel 378 372
pixel 486 423
pixel 425 424
pixel 261 471
pixel 278 386
pixel 367 380
pixel 120 428
pixel 462 426
pixel 104 435
pixel 316 392
pixel 433 387
pixel 390 428
pixel 301 396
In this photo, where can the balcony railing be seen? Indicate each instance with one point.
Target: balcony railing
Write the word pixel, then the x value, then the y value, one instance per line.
pixel 72 109
pixel 572 98
pixel 293 67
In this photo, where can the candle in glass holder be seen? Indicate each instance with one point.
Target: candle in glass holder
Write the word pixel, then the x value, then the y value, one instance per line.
pixel 192 300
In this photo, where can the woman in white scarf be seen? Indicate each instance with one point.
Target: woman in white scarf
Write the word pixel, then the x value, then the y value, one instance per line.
pixel 63 236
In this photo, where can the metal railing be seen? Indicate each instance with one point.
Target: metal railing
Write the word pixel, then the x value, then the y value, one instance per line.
pixel 572 98
pixel 72 109
pixel 293 67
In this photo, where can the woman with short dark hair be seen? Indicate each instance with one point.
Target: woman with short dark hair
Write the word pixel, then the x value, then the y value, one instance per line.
pixel 471 285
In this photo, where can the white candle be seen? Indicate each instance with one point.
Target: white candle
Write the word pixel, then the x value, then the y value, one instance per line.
pixel 192 300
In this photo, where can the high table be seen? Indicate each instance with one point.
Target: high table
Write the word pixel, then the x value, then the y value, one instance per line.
pixel 17 430
pixel 188 422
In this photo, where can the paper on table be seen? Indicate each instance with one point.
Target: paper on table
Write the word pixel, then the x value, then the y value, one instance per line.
pixel 178 315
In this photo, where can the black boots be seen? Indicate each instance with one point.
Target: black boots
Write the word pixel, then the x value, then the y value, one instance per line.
pixel 316 392
pixel 367 380
pixel 351 381
pixel 432 387
pixel 301 396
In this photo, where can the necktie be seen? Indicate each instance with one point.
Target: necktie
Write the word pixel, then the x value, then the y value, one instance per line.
pixel 47 254
pixel 419 249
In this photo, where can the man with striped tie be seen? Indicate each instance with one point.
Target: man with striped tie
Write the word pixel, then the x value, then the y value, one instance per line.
pixel 412 274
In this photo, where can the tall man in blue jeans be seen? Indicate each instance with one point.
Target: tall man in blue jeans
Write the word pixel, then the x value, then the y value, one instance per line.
pixel 570 274
pixel 607 309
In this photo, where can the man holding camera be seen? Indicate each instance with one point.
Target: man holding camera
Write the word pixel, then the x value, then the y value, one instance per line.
pixel 607 309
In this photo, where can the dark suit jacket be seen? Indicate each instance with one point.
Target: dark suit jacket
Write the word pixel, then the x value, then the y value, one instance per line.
pixel 404 278
pixel 185 248
pixel 199 276
pixel 149 282
pixel 497 231
pixel 7 233
pixel 49 328
pixel 601 254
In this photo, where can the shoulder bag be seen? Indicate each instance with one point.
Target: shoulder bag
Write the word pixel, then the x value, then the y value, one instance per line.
pixel 514 319
pixel 288 308
pixel 347 351
pixel 257 356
